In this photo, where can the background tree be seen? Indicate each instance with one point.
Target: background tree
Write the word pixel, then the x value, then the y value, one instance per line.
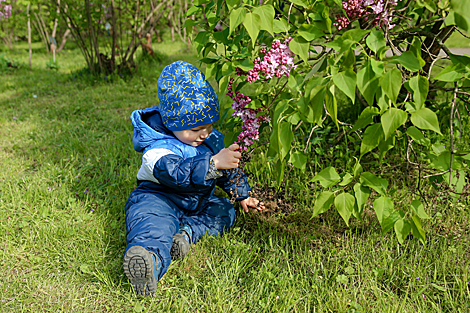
pixel 109 32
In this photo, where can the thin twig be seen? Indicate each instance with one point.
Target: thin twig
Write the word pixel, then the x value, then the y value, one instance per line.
pixel 438 174
pixel 452 108
pixel 274 99
pixel 432 64
pixel 408 153
pixel 465 103
pixel 311 133
pixel 466 36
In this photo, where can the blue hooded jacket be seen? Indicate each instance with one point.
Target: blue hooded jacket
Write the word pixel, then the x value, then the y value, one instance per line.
pixel 176 170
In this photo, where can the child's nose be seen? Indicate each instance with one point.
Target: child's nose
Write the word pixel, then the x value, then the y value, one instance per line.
pixel 204 134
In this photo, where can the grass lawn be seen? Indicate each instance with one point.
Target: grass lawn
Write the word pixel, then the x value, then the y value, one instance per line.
pixel 68 167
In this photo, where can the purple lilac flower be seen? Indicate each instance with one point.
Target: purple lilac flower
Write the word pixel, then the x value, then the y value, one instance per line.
pixel 382 9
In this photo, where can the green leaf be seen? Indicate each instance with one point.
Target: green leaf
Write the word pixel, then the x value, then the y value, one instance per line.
pixel 298 159
pixel 232 3
pixel 323 203
pixel 386 214
pixel 346 82
pixel 208 60
pixel 347 178
pixel 309 32
pixel 383 102
pixel 402 230
pixel 362 194
pixel 317 96
pixel 85 269
pixel 415 47
pixel 315 69
pixel 192 10
pixel 246 65
pixel 189 23
pixel 385 145
pixel 300 3
pixel 138 307
pixel 460 59
pixel 280 169
pixel 300 46
pixel 355 34
pixel 222 36
pixel 451 73
pixel 417 136
pixel 367 83
pixel 332 105
pixel 375 40
pixel 281 107
pixel 391 120
pixel 357 169
pixel 417 230
pixel 201 39
pixel 425 119
pixel 280 26
pixel 391 84
pixel 428 4
pixel 227 69
pixel 328 177
pixel 344 203
pixel 408 60
pixel 211 70
pixel 342 279
pixel 370 180
pixel 223 83
pixel 252 23
pixel 420 87
pixel 286 136
pixel 237 16
pixel 461 10
pixel 372 137
pixel 266 13
pixel 418 208
pixel 377 66
pixel 366 118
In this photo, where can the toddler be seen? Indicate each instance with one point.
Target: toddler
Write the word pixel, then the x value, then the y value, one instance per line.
pixel 173 205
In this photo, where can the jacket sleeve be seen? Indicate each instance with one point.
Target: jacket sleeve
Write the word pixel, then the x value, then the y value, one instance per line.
pixel 235 181
pixel 184 174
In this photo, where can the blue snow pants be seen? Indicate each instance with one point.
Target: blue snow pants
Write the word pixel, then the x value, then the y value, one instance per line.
pixel 152 219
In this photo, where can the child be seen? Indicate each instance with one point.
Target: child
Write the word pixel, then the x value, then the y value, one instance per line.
pixel 173 204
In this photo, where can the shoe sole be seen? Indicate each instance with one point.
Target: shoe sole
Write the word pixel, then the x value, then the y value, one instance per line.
pixel 180 247
pixel 138 267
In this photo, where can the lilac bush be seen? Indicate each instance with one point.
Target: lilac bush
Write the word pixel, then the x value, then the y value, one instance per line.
pixel 5 10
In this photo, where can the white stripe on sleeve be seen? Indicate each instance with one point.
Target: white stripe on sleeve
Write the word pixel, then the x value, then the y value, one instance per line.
pixel 148 163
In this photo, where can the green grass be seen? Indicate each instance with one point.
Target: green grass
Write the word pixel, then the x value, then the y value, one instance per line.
pixel 68 167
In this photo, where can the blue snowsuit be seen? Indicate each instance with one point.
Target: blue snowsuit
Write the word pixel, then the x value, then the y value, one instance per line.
pixel 173 188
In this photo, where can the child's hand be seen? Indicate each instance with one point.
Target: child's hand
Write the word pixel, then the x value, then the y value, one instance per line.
pixel 227 158
pixel 252 202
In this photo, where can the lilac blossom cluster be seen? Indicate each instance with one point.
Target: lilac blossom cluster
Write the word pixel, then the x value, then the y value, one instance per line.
pixel 251 122
pixel 277 62
pixel 5 10
pixel 380 11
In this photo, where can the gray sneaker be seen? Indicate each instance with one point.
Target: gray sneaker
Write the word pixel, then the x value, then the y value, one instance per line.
pixel 142 268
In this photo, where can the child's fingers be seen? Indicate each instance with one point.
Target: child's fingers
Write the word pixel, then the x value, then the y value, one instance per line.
pixel 233 147
pixel 244 206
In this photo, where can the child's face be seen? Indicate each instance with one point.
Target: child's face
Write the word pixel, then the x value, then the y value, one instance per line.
pixel 194 136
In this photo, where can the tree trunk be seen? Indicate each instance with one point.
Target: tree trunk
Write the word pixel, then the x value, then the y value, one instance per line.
pixel 29 35
pixel 37 25
pixel 113 29
pixel 64 40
